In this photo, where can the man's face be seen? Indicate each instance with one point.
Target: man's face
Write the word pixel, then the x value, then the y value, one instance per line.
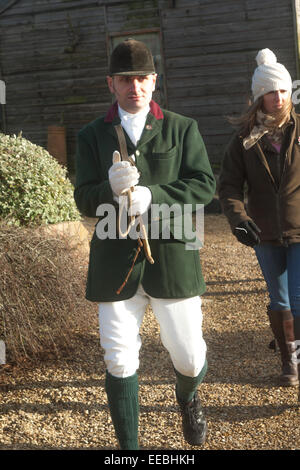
pixel 133 93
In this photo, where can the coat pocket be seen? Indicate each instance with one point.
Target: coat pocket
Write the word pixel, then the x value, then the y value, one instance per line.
pixel 165 155
pixel 164 166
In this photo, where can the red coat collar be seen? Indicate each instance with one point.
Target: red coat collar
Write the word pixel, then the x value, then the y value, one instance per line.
pixel 113 111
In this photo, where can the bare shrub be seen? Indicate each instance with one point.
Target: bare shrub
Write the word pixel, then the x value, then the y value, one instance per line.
pixel 42 304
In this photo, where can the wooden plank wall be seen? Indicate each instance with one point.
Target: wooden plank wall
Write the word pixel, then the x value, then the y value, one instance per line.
pixel 296 27
pixel 53 58
pixel 209 65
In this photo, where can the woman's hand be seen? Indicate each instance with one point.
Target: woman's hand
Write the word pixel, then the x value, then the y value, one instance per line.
pixel 247 233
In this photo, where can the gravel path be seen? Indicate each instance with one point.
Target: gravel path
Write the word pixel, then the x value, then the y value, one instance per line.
pixel 62 404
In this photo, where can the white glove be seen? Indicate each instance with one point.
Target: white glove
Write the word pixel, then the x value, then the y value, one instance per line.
pixel 141 199
pixel 122 176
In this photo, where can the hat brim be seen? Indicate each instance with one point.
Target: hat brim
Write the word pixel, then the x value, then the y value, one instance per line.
pixel 133 73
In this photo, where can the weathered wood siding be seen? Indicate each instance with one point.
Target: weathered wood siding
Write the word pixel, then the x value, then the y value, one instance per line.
pixel 209 65
pixel 53 58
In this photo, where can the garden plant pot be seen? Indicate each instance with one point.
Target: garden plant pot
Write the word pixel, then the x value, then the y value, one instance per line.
pixel 57 144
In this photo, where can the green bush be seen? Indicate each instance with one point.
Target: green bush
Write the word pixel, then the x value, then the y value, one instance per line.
pixel 34 188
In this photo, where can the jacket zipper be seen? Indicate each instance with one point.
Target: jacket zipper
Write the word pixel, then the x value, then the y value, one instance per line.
pixel 284 242
pixel 277 191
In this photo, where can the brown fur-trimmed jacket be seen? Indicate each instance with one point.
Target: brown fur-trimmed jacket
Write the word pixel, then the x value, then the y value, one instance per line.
pixel 269 182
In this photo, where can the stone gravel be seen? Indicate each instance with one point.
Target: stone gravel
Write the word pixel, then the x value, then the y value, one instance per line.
pixel 61 404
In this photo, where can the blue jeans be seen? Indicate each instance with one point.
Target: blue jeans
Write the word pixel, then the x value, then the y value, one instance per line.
pixel 280 266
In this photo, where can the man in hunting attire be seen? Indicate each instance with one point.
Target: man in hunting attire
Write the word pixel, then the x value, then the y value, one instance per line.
pixel 167 164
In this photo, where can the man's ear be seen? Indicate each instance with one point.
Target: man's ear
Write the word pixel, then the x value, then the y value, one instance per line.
pixel 154 81
pixel 109 80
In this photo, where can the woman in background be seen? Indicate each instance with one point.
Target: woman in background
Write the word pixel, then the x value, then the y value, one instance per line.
pixel 264 157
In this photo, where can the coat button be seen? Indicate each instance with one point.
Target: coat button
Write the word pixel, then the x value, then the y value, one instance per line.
pixel 137 153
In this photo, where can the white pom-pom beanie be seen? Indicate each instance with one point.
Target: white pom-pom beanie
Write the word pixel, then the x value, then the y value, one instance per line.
pixel 269 75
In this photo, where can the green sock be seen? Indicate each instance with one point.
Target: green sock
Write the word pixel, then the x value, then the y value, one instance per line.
pixel 187 386
pixel 122 394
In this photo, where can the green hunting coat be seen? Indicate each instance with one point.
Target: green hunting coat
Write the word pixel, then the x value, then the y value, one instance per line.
pixel 173 163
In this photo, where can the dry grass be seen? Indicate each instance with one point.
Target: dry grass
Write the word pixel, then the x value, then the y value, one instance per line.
pixel 62 403
pixel 41 293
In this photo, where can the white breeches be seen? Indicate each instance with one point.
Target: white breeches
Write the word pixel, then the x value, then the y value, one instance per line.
pixel 180 323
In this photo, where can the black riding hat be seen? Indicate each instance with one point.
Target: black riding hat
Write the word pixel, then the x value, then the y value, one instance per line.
pixel 131 57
